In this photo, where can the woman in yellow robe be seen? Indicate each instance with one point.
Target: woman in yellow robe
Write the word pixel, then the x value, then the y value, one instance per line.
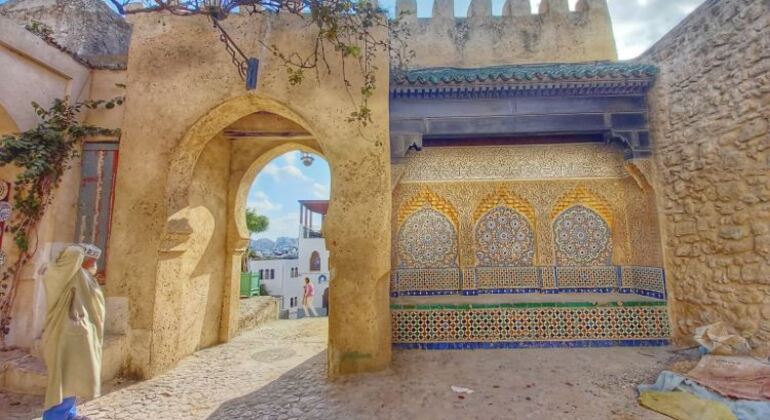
pixel 74 331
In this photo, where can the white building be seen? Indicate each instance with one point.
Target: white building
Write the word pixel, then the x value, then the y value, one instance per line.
pixel 285 278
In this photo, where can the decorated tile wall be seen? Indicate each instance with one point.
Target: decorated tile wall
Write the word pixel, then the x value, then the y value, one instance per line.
pixel 427 239
pixel 537 183
pixel 529 325
pixel 645 281
pixel 582 238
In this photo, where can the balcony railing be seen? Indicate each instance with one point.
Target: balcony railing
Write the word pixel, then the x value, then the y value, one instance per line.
pixel 311 233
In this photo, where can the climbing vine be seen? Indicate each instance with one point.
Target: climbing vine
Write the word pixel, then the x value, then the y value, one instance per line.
pixel 42 155
pixel 348 31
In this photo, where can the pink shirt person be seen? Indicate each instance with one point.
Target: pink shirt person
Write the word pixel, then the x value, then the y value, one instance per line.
pixel 309 290
pixel 307 299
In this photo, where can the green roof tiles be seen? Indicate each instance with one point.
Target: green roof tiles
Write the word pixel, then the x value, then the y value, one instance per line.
pixel 528 73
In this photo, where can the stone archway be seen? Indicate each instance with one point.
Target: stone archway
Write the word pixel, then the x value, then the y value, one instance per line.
pixel 359 331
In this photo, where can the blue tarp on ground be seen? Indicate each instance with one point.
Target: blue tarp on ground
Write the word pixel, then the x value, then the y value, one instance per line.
pixel 745 410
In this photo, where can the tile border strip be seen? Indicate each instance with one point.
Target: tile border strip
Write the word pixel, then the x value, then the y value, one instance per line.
pixel 521 305
pixel 476 345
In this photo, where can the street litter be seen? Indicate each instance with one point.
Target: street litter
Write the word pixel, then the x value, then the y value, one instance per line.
pixel 461 390
pixel 717 339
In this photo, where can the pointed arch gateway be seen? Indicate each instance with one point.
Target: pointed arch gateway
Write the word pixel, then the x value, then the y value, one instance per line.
pixel 200 238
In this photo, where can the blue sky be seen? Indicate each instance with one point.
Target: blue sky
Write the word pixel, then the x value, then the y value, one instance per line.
pixel 280 184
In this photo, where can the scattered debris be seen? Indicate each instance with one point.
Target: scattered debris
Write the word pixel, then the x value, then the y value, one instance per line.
pixel 462 390
pixel 735 377
pixel 718 339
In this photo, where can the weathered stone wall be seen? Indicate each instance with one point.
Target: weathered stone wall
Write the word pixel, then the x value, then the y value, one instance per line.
pixel 88 29
pixel 554 35
pixel 710 122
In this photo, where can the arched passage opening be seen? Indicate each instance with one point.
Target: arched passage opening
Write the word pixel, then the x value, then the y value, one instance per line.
pixel 218 239
pixel 287 204
pixel 205 237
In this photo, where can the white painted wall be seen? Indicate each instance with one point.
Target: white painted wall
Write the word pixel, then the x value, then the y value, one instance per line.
pixel 283 284
pixel 320 279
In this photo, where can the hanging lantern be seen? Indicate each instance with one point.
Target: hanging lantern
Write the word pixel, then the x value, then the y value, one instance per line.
pixel 307 159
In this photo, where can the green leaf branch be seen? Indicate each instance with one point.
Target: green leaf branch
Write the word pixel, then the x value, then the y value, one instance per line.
pixel 43 154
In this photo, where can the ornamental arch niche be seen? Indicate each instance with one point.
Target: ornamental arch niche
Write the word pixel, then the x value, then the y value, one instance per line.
pixel 582 229
pixel 504 233
pixel 427 235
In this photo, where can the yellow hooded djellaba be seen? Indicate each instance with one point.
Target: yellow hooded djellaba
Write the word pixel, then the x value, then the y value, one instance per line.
pixel 74 328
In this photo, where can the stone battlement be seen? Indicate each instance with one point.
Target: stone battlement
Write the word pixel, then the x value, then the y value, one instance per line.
pixel 555 34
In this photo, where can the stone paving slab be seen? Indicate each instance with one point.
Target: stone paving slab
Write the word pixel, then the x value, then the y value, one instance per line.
pixel 277 371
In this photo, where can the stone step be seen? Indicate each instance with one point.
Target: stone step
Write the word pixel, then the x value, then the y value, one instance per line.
pixel 26 373
pixel 255 311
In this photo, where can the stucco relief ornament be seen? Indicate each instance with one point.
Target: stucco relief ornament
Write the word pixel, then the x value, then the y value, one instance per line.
pixel 427 239
pixel 2 258
pixel 582 237
pixel 5 211
pixel 3 190
pixel 504 238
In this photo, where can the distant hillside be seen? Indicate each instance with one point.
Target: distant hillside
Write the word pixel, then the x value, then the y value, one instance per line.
pixel 262 244
pixel 283 247
pixel 286 242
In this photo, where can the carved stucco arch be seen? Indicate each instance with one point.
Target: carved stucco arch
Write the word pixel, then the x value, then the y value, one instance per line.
pixel 428 197
pixel 185 156
pixel 586 198
pixel 504 197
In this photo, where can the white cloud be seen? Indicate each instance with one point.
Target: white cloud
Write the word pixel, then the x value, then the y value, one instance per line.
pixel 295 172
pixel 286 225
pixel 261 202
pixel 278 172
pixel 291 158
pixel 639 24
pixel 321 191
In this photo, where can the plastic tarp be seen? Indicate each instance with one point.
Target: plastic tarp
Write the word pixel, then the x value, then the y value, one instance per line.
pixel 743 410
pixel 685 406
pixel 737 377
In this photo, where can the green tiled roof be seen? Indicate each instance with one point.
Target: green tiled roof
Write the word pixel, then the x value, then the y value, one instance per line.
pixel 528 73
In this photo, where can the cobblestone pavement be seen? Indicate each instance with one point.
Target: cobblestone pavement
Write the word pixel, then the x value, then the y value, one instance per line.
pixel 277 372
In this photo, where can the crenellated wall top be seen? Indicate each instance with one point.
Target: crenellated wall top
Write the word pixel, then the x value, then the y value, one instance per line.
pixel 554 34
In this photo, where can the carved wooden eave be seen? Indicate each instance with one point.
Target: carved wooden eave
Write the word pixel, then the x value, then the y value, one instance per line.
pixel 598 100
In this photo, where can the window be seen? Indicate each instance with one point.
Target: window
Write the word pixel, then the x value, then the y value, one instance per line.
pixel 262 274
pixel 315 261
pixel 272 273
